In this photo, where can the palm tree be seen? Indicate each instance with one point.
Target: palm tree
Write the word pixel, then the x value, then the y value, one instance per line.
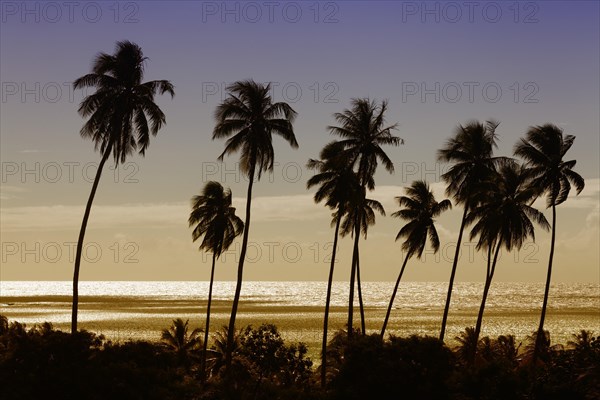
pixel 214 218
pixel 419 209
pixel 218 351
pixel 470 150
pixel 122 115
pixel 503 218
pixel 467 345
pixel 582 340
pixel 359 215
pixel 543 149
pixel 249 118
pixel 336 184
pixel 176 338
pixel 363 133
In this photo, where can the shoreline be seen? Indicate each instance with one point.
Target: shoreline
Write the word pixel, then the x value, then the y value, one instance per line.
pixel 123 318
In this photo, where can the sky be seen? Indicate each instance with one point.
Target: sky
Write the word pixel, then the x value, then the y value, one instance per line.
pixel 439 64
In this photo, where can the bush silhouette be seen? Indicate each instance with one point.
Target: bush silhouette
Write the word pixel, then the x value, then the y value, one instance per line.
pixel 407 368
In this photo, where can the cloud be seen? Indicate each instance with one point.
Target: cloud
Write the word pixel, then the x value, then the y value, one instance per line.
pixel 8 192
pixel 291 208
pixel 587 237
pixel 57 217
pixel 30 151
pixel 282 208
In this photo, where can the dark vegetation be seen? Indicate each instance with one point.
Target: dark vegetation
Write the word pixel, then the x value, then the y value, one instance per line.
pixel 41 362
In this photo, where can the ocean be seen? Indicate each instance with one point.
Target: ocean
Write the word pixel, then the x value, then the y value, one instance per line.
pixel 139 310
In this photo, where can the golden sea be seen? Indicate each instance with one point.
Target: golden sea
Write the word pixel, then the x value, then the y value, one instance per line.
pixel 139 310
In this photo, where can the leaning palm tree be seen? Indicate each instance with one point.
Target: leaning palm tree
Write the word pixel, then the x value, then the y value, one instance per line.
pixel 471 152
pixel 543 149
pixel 359 215
pixel 336 183
pixel 363 132
pixel 419 209
pixel 122 115
pixel 503 218
pixel 249 118
pixel 214 218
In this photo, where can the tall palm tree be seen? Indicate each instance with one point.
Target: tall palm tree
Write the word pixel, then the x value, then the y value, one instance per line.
pixel 543 149
pixel 249 118
pixel 419 209
pixel 359 215
pixel 336 182
pixel 503 218
pixel 470 150
pixel 363 132
pixel 122 115
pixel 214 218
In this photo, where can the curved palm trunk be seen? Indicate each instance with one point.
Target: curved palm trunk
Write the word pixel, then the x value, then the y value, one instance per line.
pixel 327 303
pixel 352 279
pixel 238 286
pixel 389 310
pixel 454 264
pixel 540 331
pixel 86 216
pixel 488 283
pixel 361 305
pixel 207 326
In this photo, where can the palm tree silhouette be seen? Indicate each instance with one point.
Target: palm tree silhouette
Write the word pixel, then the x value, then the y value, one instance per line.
pixel 249 118
pixel 176 338
pixel 336 183
pixel 122 115
pixel 419 209
pixel 214 218
pixel 582 340
pixel 543 149
pixel 218 351
pixel 470 150
pixel 467 345
pixel 359 215
pixel 363 131
pixel 503 217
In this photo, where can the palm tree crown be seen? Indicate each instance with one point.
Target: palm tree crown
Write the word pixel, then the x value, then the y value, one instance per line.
pixel 249 118
pixel 360 214
pixel 336 180
pixel 363 132
pixel 419 209
pixel 214 217
pixel 543 149
pixel 470 150
pixel 505 216
pixel 178 339
pixel 122 112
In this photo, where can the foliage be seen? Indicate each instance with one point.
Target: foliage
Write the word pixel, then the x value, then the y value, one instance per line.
pixel 407 368
pixel 43 362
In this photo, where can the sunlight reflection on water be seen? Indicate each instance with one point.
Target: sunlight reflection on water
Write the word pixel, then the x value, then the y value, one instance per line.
pixel 123 310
